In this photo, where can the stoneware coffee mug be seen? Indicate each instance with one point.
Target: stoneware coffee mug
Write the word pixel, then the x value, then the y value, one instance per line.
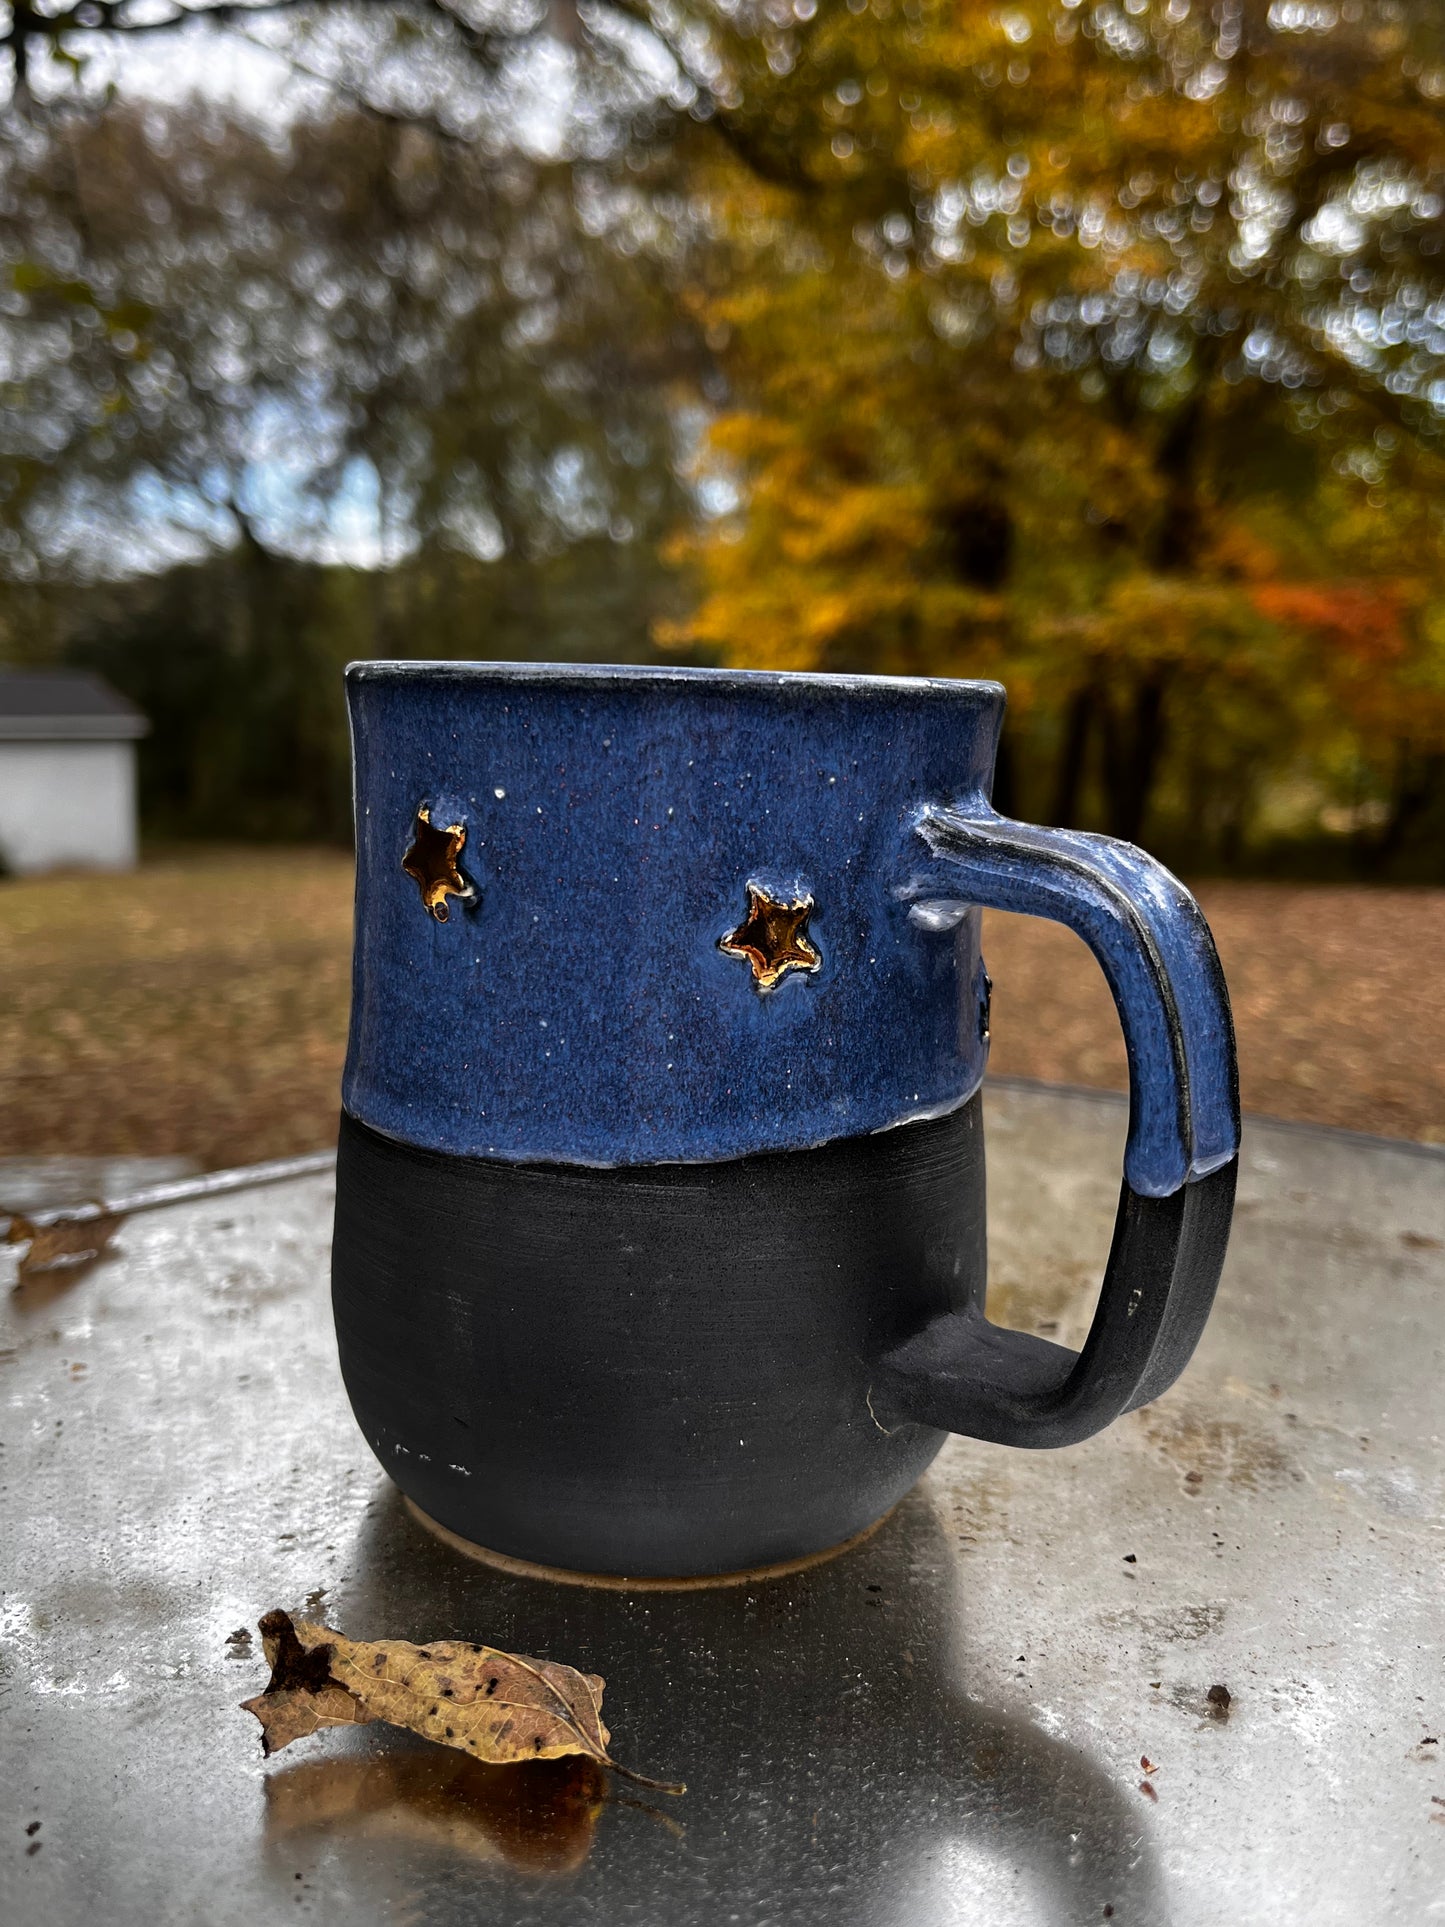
pixel 660 1241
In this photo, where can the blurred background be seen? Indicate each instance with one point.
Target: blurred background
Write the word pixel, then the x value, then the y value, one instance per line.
pixel 1097 347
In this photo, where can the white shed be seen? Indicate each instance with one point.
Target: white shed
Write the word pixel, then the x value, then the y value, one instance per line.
pixel 67 772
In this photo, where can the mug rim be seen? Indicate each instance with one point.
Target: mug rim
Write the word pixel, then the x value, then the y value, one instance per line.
pixel 584 674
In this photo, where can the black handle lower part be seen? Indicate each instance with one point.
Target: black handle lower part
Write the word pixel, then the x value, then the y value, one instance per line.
pixel 962 1374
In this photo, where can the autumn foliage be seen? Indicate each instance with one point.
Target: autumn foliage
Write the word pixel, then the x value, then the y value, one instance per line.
pixel 1099 349
pixel 1097 345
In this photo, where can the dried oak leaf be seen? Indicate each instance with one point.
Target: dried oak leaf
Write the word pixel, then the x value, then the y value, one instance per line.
pixel 493 1706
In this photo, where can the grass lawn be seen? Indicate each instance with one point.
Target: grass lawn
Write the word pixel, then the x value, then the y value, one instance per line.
pixel 199 1005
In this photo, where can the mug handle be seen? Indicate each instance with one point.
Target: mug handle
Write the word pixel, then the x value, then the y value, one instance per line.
pixel 962 1374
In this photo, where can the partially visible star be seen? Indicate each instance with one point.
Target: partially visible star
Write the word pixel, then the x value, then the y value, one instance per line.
pixel 773 936
pixel 431 862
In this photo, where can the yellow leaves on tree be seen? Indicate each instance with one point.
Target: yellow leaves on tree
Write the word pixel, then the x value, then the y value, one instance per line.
pixel 1030 322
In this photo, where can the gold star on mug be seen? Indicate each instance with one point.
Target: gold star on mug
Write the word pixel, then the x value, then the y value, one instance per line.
pixel 431 863
pixel 773 937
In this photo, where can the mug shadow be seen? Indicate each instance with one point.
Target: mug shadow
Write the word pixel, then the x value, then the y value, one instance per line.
pixel 836 1766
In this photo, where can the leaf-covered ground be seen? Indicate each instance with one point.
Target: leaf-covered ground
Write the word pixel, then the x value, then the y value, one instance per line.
pixel 200 1005
pixel 197 1006
pixel 1336 994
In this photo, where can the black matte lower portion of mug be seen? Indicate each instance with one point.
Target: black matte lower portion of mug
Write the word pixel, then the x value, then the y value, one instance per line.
pixel 658 1371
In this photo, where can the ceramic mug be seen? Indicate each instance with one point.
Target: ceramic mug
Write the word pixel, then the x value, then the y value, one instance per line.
pixel 660 1241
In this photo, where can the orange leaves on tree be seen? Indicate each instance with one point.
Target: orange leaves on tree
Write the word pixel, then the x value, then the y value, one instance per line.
pixel 1080 355
pixel 1363 620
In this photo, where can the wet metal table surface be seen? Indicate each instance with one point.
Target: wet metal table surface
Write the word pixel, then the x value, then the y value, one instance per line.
pixel 945 1725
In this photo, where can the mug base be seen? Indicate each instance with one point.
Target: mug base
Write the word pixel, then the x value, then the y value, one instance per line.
pixel 621 1582
pixel 655 1371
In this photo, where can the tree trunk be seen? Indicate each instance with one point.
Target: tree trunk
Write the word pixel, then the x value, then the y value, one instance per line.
pixel 1131 757
pixel 1133 723
pixel 1069 776
pixel 1419 781
pixel 1005 787
pixel 22 25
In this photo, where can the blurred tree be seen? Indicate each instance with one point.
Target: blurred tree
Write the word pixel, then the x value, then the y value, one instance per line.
pixel 218 335
pixel 1076 342
pixel 1094 345
pixel 257 357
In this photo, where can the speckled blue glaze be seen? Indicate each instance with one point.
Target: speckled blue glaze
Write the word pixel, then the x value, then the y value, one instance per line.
pixel 580 1009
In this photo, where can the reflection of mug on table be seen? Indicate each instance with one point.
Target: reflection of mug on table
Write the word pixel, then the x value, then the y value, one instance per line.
pixel 660 1226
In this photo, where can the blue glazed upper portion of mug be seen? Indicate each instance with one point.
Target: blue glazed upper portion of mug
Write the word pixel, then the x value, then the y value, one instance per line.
pixel 580 1009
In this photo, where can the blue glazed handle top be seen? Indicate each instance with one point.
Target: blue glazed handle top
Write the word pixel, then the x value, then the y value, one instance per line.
pixel 1157 955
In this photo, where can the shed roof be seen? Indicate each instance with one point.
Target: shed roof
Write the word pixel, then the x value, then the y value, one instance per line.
pixel 64 706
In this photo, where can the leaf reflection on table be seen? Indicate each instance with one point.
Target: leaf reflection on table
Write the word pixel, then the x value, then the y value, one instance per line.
pixel 536 1818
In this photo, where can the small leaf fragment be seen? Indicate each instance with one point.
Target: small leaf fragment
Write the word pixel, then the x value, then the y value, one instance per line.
pixel 69 1240
pixel 300 1697
pixel 493 1706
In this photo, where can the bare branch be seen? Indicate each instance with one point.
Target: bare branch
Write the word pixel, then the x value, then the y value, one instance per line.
pixel 354 97
pixel 485 46
pixel 107 16
pixel 772 164
pixel 110 17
